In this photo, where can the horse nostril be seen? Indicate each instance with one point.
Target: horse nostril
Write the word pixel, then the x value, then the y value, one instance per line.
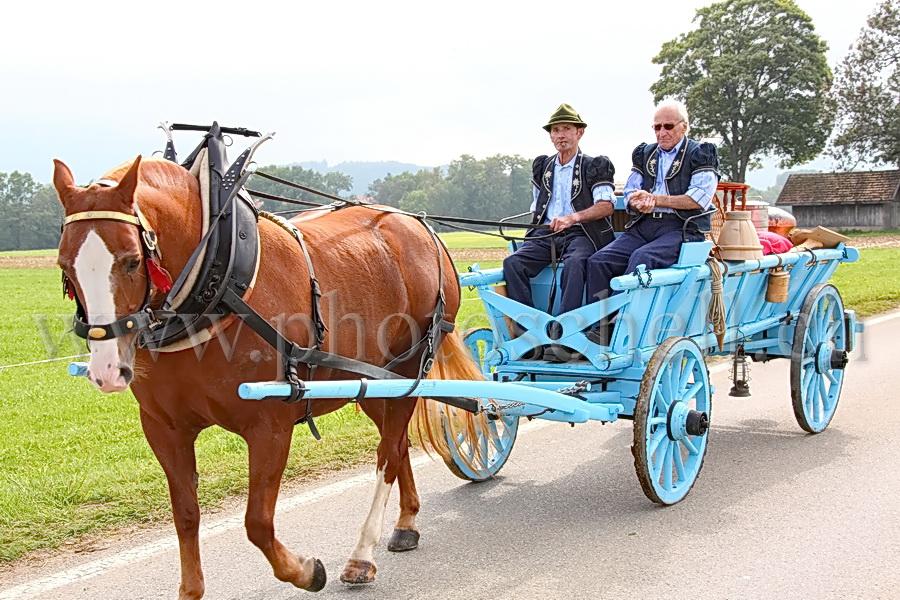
pixel 127 374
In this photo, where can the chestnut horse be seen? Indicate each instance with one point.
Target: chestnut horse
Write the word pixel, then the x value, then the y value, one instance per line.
pixel 380 268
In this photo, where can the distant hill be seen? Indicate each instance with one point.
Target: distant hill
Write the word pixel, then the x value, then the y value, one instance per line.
pixel 363 173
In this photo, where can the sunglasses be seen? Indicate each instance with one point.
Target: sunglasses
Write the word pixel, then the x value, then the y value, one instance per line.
pixel 666 126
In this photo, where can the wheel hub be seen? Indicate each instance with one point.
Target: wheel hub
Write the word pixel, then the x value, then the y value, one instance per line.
pixel 683 421
pixel 839 359
pixel 828 358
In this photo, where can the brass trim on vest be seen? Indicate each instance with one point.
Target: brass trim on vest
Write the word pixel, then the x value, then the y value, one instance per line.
pixel 653 159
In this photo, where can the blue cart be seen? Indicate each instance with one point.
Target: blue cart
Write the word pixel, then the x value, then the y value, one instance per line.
pixel 652 371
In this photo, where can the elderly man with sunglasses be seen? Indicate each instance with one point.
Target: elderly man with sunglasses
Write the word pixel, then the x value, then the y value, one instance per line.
pixel 671 185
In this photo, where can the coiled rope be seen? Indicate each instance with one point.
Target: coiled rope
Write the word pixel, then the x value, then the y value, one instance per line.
pixel 716 314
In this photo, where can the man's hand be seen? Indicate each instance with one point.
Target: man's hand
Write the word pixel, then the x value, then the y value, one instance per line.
pixel 642 201
pixel 560 223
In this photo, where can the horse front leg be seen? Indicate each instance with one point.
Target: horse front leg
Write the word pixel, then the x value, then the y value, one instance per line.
pixel 393 454
pixel 174 449
pixel 268 456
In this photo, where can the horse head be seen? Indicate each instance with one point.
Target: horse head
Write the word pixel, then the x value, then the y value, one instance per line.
pixel 102 254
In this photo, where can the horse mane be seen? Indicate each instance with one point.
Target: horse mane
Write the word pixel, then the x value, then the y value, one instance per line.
pixel 158 173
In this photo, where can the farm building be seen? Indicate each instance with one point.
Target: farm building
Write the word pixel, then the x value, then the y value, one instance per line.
pixel 864 200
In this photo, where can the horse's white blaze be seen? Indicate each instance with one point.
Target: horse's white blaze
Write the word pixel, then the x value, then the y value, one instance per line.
pixel 93 270
pixel 371 528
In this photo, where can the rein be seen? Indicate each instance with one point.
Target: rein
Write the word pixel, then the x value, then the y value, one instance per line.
pixel 443 220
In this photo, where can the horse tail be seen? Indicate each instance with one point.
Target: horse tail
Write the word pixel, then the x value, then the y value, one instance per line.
pixel 435 424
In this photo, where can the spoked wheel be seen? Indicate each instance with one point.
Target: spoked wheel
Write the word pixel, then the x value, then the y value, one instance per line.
pixel 478 451
pixel 818 358
pixel 480 342
pixel 671 421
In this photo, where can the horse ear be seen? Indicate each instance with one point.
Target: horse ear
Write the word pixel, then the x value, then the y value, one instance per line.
pixel 62 177
pixel 129 182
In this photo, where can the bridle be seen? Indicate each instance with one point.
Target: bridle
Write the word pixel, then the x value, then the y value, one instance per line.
pixel 157 277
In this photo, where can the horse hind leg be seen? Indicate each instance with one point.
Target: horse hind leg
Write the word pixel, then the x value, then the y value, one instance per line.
pixel 393 462
pixel 406 534
pixel 268 456
pixel 360 566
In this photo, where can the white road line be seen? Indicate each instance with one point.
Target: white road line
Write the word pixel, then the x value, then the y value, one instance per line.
pixel 128 557
pixel 883 318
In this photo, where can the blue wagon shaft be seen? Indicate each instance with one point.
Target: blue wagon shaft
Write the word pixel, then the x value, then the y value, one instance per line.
pixel 653 368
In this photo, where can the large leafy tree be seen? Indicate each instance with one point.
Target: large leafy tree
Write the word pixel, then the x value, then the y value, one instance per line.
pixel 866 93
pixel 753 74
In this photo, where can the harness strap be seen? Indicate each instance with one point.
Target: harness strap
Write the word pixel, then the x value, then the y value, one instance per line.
pixel 315 288
pixel 311 356
pixel 146 316
pixel 316 292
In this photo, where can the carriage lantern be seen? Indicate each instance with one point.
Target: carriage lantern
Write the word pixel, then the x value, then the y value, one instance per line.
pixel 740 374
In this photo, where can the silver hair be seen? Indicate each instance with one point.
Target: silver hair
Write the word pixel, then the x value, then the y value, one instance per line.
pixel 678 106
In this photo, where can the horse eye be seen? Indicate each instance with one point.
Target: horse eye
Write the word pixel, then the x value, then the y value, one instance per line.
pixel 132 264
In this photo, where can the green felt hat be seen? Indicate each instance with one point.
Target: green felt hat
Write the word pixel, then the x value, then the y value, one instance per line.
pixel 565 114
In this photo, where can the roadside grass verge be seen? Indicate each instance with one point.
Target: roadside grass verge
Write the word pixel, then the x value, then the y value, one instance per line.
pixel 75 462
pixel 872 284
pixel 856 233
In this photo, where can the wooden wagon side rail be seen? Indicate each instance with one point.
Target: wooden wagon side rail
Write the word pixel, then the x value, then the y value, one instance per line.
pixel 654 305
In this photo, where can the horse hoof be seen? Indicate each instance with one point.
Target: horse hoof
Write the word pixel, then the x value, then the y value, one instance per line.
pixel 319 577
pixel 403 540
pixel 358 571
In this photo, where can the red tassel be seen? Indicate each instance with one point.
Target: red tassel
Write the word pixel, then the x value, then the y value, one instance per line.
pixel 158 276
pixel 70 292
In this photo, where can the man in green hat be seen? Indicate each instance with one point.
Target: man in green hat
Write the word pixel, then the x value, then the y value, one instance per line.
pixel 573 194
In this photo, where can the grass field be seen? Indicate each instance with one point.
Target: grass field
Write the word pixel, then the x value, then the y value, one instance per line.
pixel 74 461
pixel 463 239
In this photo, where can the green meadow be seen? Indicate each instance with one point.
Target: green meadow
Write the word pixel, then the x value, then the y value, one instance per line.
pixel 75 462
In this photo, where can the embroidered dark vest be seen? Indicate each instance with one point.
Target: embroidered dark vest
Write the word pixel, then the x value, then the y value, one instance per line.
pixel 678 179
pixel 586 174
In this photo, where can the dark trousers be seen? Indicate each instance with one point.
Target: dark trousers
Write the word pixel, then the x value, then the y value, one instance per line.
pixel 534 254
pixel 652 242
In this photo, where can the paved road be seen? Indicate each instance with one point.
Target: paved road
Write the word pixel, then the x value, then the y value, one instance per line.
pixel 775 514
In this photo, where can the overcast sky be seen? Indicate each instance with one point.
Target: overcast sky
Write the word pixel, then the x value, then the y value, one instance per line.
pixel 420 82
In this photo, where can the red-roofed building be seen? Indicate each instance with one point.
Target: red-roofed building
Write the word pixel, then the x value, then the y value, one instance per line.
pixel 865 200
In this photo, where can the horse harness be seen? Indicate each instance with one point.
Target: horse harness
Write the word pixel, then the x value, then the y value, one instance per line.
pixel 229 251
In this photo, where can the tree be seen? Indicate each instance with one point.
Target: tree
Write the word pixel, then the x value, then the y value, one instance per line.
pixel 17 191
pixel 753 73
pixel 45 215
pixel 493 188
pixel 394 189
pixel 334 183
pixel 866 94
